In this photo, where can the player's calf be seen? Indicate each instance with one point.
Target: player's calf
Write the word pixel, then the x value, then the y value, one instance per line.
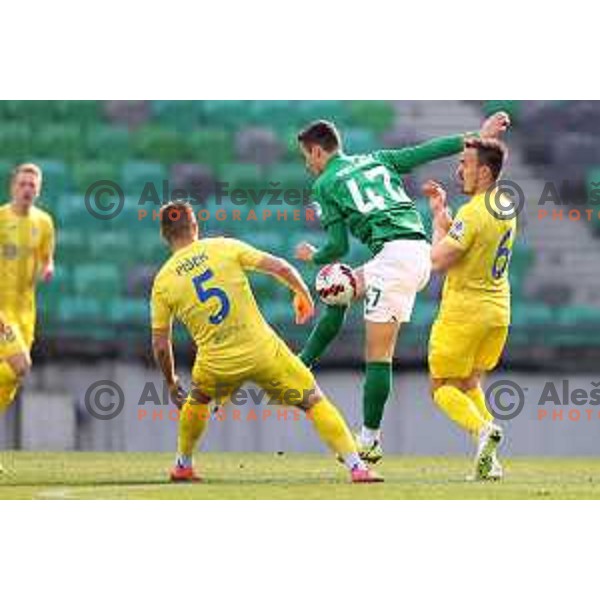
pixel 332 429
pixel 13 371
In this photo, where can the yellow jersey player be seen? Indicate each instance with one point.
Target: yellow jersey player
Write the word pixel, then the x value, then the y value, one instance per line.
pixel 204 286
pixel 471 328
pixel 26 254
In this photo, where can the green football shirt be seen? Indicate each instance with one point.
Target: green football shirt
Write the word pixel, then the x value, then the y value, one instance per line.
pixel 366 192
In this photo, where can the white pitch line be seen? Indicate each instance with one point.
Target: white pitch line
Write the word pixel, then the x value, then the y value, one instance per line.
pixel 55 494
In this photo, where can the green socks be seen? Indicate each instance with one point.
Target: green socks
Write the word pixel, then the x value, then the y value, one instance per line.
pixel 377 387
pixel 323 334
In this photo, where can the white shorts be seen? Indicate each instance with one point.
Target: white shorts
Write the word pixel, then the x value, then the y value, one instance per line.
pixel 393 277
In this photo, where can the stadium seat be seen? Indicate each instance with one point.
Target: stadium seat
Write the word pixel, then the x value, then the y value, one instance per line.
pixel 160 144
pixel 377 116
pixel 56 179
pixel 97 280
pixel 79 309
pixel 359 141
pixel 239 176
pixel 178 115
pixel 85 174
pixel 210 146
pixel 107 143
pixel 15 141
pixel 138 175
pixel 259 145
pixel 59 140
pixel 79 112
pixel 128 311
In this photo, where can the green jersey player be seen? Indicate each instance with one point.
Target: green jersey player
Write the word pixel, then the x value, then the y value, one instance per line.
pixel 364 196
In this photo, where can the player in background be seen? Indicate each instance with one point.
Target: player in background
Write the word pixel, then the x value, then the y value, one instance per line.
pixel 471 328
pixel 365 195
pixel 26 255
pixel 204 285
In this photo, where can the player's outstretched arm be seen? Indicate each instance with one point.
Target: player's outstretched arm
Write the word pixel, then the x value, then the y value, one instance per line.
pixel 407 159
pixel 336 247
pixel 283 271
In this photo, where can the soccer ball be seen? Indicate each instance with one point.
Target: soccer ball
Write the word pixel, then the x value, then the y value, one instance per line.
pixel 336 284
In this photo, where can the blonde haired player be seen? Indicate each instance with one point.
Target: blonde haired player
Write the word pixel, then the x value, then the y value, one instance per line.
pixel 204 286
pixel 26 255
pixel 471 328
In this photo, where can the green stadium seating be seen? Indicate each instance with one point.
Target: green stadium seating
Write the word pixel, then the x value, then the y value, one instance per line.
pixel 29 111
pixel 85 174
pixel 80 112
pixel 107 143
pixel 80 309
pixel 160 144
pixel 137 175
pixel 6 167
pixel 240 176
pixel 290 176
pixel 102 265
pixel 123 311
pixel 377 116
pixel 58 140
pixel 101 281
pixel 359 141
pixel 15 141
pixel 56 179
pixel 213 147
pixel 181 115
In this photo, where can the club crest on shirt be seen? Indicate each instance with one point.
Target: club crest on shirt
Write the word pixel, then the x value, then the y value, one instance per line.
pixel 6 333
pixel 457 231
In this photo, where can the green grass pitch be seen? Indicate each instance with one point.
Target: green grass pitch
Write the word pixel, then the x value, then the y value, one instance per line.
pixel 82 475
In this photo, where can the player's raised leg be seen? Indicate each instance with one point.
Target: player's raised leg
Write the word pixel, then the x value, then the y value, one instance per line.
pixel 284 377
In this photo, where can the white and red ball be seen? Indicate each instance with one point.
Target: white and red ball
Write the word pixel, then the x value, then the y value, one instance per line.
pixel 336 284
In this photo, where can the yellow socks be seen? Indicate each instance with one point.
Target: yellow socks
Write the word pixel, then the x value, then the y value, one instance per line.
pixel 332 428
pixel 9 384
pixel 193 421
pixel 478 398
pixel 460 408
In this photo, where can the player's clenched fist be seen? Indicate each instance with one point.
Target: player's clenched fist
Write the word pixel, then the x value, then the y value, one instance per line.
pixel 495 125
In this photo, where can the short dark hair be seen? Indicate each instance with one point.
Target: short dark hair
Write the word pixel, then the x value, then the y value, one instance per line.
pixel 176 219
pixel 490 152
pixel 320 133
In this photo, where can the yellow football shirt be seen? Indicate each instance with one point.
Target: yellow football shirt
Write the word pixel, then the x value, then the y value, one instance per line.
pixel 477 287
pixel 26 242
pixel 205 287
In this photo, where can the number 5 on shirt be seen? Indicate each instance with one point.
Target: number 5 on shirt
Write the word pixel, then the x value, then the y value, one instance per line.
pixel 206 293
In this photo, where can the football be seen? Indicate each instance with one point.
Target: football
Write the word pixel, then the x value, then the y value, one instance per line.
pixel 336 284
